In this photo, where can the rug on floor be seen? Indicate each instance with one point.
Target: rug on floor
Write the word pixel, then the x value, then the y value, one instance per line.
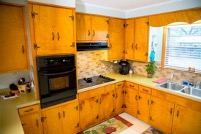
pixel 112 126
pixel 152 130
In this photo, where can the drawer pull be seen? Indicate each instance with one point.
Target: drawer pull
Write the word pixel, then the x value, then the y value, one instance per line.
pixel 178 113
pixel 145 90
pixel 131 85
pixel 63 113
pixel 37 124
pixel 119 85
pixel 116 95
pixel 171 111
pixel 136 97
pixel 29 110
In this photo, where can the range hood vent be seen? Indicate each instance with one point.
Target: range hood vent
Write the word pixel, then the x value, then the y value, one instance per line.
pixel 89 46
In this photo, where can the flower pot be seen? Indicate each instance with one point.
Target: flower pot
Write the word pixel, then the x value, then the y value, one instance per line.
pixel 149 75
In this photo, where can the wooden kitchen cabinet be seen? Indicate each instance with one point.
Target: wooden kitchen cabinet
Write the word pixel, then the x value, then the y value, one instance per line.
pixel 129 39
pixel 131 98
pixel 161 114
pixel 53 29
pixel 144 99
pixel 141 39
pixel 119 97
pixel 186 121
pixel 88 112
pixel 14 51
pixel 91 28
pixel 116 40
pixel 30 119
pixel 61 119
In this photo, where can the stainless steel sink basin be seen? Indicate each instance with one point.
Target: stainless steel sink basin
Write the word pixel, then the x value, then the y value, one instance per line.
pixel 172 86
pixel 192 91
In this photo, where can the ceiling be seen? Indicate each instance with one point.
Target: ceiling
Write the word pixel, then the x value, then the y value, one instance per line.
pixel 124 5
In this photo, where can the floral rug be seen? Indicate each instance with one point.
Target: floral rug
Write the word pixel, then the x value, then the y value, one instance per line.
pixel 112 126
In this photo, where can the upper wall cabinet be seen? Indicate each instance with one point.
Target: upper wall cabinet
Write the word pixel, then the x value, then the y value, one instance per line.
pixel 129 39
pixel 136 39
pixel 92 28
pixel 13 41
pixel 53 29
pixel 188 16
pixel 116 40
pixel 141 39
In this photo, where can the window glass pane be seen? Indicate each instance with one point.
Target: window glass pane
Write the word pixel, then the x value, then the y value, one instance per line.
pixel 183 47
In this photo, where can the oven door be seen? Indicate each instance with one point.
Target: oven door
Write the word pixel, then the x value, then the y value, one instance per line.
pixel 54 81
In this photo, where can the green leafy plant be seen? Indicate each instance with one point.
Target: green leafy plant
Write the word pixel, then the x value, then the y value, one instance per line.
pixel 151 67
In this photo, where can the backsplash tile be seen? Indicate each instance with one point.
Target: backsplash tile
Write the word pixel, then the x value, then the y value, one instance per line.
pixel 140 68
pixel 90 63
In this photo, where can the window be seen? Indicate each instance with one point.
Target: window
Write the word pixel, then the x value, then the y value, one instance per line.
pixel 183 47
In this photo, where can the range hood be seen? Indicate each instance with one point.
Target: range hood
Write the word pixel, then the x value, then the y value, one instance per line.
pixel 89 46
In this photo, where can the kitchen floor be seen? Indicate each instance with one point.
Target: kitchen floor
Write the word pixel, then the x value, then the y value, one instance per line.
pixel 138 126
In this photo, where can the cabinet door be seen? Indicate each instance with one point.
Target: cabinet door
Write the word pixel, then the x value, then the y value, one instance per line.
pixel 13 52
pixel 161 114
pixel 70 118
pixel 64 38
pixel 116 40
pixel 31 123
pixel 141 39
pixel 44 25
pixel 107 104
pixel 83 26
pixel 143 106
pixel 130 100
pixel 100 27
pixel 89 112
pixel 129 39
pixel 119 100
pixel 52 121
pixel 186 121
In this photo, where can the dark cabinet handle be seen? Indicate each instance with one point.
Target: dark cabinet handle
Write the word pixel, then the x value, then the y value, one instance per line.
pixel 29 110
pixel 37 124
pixel 145 90
pixel 178 113
pixel 136 97
pixel 132 45
pixel 63 113
pixel 136 46
pixel 171 111
pixel 52 36
pixel 93 33
pixel 59 116
pixel 58 36
pixel 23 49
pixel 89 33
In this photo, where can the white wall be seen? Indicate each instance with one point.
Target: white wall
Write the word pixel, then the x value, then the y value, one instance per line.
pixel 91 9
pixel 68 3
pixel 21 2
pixel 8 78
pixel 157 42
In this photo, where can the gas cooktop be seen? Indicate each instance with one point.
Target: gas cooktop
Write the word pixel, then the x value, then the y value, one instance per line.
pixel 92 81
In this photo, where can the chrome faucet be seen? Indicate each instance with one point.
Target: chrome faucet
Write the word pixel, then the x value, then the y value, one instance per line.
pixel 172 77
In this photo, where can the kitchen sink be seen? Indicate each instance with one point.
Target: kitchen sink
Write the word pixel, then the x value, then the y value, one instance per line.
pixel 192 91
pixel 172 86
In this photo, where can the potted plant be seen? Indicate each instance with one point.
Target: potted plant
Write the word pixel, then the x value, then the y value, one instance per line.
pixel 151 67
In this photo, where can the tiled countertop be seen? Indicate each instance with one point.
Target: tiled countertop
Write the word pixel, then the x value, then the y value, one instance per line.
pixel 142 80
pixel 9 119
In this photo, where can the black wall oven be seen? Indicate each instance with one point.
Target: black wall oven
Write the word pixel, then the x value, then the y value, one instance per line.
pixel 56 78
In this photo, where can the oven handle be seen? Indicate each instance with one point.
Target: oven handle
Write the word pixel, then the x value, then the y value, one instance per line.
pixel 58 73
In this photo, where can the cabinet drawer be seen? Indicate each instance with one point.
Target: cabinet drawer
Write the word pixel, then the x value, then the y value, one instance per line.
pixel 28 109
pixel 145 89
pixel 91 93
pixel 132 85
pixel 119 84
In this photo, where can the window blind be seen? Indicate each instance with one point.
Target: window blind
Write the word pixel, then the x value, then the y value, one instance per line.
pixel 183 47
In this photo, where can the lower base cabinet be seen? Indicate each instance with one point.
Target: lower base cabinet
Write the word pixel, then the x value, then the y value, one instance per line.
pixel 62 119
pixel 30 119
pixel 161 114
pixel 186 121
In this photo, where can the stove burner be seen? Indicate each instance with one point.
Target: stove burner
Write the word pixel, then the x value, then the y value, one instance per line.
pixel 88 82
